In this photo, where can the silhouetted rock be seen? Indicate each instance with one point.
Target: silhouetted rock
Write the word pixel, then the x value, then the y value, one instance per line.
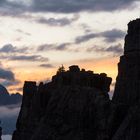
pixel 73 106
pixel 127 90
pixel 7 99
pixel 3 90
pixel 76 105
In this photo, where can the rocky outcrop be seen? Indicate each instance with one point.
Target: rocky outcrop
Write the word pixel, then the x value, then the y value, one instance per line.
pixel 9 99
pixel 127 90
pixel 73 106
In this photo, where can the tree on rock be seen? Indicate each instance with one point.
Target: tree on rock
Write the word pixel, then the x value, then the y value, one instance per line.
pixel 61 69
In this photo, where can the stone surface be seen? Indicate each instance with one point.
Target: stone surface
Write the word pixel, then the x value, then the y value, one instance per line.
pixel 127 91
pixel 73 106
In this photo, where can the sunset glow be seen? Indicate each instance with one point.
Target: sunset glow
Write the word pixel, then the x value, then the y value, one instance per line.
pixel 34 42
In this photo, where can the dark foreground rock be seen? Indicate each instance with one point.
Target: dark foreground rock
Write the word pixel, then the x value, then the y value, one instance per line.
pixel 76 105
pixel 127 90
pixel 73 106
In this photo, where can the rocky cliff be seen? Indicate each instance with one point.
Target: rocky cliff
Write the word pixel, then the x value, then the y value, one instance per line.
pixel 75 105
pixel 72 106
pixel 127 90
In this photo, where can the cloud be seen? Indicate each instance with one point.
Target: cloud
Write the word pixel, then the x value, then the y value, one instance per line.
pixel 116 50
pixel 11 53
pixel 84 38
pixel 112 35
pixel 50 47
pixel 25 33
pixel 8 83
pixel 23 57
pixel 57 21
pixel 8 118
pixel 28 58
pixel 109 36
pixel 16 8
pixel 8 111
pixel 7 78
pixel 12 8
pixel 7 74
pixel 6 137
pixel 47 65
pixel 45 47
pixel 9 48
pixel 72 6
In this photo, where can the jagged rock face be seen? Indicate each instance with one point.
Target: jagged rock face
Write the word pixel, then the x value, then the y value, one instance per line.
pixel 8 99
pixel 3 90
pixel 129 129
pixel 127 89
pixel 74 113
pixel 75 105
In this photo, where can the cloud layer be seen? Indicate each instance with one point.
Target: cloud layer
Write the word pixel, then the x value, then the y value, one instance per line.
pixel 72 6
pixel 6 74
pixel 12 53
pixel 17 8
pixel 109 36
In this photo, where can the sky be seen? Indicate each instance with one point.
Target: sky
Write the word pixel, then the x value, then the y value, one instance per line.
pixel 38 36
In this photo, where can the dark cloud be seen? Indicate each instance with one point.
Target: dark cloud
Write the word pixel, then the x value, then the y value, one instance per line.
pixel 28 58
pixel 46 47
pixel 57 21
pixel 50 47
pixel 72 6
pixel 62 46
pixel 16 8
pixel 8 83
pixel 116 50
pixel 47 65
pixel 9 48
pixel 7 78
pixel 12 8
pixel 109 36
pixel 9 52
pixel 23 57
pixel 84 38
pixel 112 35
pixel 7 74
